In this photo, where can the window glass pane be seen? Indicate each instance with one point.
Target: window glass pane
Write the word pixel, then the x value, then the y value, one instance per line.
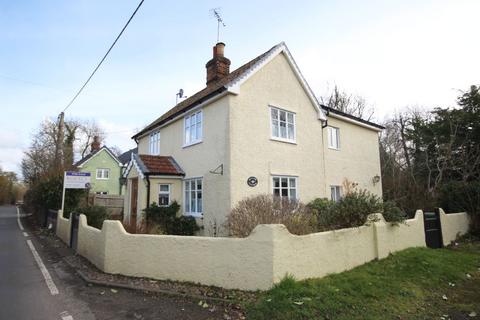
pixel 199 201
pixel 164 187
pixel 106 174
pixel 276 192
pixel 187 201
pixel 283 116
pixel 283 130
pixel 332 193
pixel 199 132
pixel 284 182
pixel 274 114
pixel 199 117
pixel 275 128
pixel 199 184
pixel 293 194
pixel 193 201
pixel 291 132
pixel 187 135
pixel 285 192
pixel 163 200
pixel 290 117
pixel 337 138
pixel 276 182
pixel 292 183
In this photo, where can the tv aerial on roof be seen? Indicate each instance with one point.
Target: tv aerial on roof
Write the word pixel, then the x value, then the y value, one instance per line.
pixel 216 14
pixel 179 95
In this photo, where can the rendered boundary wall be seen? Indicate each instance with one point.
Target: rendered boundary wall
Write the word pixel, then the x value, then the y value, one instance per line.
pixel 255 262
pixel 63 227
pixel 453 225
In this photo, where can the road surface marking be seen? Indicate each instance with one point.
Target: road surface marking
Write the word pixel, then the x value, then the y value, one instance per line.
pixel 18 220
pixel 48 279
pixel 25 234
pixel 66 316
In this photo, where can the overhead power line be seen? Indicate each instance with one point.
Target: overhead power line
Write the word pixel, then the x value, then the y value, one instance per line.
pixel 104 57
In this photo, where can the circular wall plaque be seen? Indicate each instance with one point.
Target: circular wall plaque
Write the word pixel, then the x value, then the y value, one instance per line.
pixel 252 181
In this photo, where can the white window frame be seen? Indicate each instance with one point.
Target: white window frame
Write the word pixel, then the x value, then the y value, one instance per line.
pixel 287 123
pixel 187 210
pixel 188 139
pixel 154 143
pixel 331 144
pixel 289 187
pixel 336 193
pixel 102 174
pixel 167 193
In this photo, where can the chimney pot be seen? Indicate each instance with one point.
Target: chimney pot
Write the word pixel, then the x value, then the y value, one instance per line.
pixel 95 146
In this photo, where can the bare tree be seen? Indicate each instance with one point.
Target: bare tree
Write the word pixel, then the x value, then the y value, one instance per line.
pixel 348 103
pixel 88 130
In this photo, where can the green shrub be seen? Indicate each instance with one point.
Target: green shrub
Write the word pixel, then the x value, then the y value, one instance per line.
pixel 95 215
pixel 462 196
pixel 265 209
pixel 353 210
pixel 164 220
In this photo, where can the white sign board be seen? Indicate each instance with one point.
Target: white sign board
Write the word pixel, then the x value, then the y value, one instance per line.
pixel 76 180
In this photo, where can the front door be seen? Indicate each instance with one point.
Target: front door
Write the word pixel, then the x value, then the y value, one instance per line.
pixel 133 205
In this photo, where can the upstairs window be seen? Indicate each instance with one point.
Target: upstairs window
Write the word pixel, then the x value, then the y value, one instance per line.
pixel 155 143
pixel 283 125
pixel 193 128
pixel 334 138
pixel 163 194
pixel 103 174
pixel 335 193
pixel 285 187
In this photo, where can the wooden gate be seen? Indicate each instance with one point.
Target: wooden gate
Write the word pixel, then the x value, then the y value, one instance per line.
pixel 133 206
pixel 433 228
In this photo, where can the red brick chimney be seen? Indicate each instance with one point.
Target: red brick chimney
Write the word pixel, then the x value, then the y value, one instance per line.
pixel 219 66
pixel 95 146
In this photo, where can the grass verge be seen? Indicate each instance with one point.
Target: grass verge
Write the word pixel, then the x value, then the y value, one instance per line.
pixel 417 283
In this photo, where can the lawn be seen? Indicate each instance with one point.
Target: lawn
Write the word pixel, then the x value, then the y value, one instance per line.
pixel 417 283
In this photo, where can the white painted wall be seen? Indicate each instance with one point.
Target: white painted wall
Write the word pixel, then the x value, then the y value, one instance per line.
pixel 255 262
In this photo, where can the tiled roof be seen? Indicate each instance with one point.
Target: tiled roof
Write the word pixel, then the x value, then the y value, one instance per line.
pixel 208 92
pixel 161 165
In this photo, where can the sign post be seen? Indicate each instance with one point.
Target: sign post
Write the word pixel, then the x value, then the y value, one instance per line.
pixel 74 180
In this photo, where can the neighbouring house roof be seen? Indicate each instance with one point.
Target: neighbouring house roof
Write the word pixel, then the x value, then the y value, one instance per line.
pixel 154 165
pixel 127 156
pixel 353 118
pixel 91 155
pixel 231 83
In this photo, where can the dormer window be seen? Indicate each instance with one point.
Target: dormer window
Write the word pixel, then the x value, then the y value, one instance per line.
pixel 155 143
pixel 193 128
pixel 283 125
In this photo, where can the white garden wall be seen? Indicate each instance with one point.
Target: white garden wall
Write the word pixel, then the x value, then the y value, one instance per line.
pixel 63 227
pixel 255 262
pixel 453 225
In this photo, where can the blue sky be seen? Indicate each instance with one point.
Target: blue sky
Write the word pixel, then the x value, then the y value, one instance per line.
pixel 394 53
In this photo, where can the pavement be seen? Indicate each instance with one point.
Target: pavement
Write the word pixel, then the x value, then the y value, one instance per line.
pixel 37 283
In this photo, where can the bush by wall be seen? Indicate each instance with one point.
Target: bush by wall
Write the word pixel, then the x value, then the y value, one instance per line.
pixel 95 215
pixel 164 220
pixel 265 209
pixel 462 196
pixel 353 210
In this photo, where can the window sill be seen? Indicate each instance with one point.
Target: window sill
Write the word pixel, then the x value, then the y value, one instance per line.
pixel 192 144
pixel 336 149
pixel 195 215
pixel 283 140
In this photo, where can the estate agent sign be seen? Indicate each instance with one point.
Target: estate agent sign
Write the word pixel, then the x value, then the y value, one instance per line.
pixel 75 180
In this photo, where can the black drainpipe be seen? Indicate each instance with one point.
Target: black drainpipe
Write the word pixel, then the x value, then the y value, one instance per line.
pixel 148 190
